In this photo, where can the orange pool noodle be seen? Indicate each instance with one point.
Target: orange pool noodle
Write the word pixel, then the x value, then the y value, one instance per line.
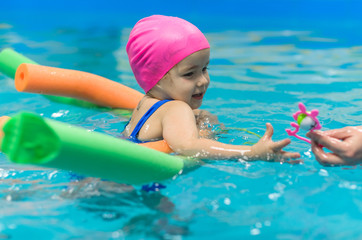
pixel 161 146
pixel 3 120
pixel 76 84
pixel 80 85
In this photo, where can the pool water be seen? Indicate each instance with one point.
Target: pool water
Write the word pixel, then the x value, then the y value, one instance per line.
pixel 259 70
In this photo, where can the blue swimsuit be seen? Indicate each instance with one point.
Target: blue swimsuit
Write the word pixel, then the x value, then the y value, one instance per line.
pixel 134 135
pixel 133 138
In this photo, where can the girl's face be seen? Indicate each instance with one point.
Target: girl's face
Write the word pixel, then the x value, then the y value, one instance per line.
pixel 187 81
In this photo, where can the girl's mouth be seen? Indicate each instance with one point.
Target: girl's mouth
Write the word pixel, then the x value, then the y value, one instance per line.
pixel 198 96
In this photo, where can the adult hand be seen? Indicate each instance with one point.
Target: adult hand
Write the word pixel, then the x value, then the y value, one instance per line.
pixel 345 144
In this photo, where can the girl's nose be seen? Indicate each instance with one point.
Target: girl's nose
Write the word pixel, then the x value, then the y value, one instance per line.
pixel 203 80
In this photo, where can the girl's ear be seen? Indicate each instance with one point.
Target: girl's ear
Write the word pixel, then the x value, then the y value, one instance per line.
pixel 166 77
pixel 156 90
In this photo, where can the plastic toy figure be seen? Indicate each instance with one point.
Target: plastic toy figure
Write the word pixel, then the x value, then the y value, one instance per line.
pixel 305 120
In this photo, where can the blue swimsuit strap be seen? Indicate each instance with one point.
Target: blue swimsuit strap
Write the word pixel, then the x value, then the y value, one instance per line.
pixel 144 118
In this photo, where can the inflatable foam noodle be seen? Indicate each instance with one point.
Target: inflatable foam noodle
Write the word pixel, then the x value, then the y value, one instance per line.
pixel 31 139
pixel 10 61
pixel 77 85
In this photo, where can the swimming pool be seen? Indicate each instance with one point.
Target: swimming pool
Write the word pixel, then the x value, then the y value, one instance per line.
pixel 264 60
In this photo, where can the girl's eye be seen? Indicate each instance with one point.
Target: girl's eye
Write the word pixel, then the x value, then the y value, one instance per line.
pixel 205 69
pixel 189 74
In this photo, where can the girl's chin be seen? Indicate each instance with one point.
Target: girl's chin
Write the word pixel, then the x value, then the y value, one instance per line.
pixel 195 105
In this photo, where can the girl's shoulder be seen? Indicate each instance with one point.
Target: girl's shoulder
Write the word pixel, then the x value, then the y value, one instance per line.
pixel 177 106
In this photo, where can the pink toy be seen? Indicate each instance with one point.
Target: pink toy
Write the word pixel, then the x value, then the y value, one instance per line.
pixel 305 120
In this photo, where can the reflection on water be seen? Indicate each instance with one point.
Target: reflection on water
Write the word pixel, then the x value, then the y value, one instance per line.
pixel 257 77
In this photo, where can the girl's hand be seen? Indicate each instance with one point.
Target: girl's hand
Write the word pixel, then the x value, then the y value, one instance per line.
pixel 267 150
pixel 345 144
pixel 205 122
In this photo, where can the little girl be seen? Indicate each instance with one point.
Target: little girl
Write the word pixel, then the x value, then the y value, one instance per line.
pixel 169 58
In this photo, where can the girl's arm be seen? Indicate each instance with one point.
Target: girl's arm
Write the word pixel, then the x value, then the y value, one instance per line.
pixel 181 133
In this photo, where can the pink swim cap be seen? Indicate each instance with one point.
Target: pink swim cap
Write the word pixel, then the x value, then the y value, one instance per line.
pixel 157 43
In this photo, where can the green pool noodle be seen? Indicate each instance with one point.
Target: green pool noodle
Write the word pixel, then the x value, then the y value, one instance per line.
pixel 31 139
pixel 10 61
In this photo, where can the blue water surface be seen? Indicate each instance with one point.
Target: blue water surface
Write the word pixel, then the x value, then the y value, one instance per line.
pixel 266 56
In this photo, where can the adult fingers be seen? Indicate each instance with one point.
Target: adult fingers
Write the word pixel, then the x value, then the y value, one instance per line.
pixel 331 143
pixel 341 133
pixel 326 158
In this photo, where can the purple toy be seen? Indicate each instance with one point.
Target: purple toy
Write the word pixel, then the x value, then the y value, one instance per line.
pixel 305 120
